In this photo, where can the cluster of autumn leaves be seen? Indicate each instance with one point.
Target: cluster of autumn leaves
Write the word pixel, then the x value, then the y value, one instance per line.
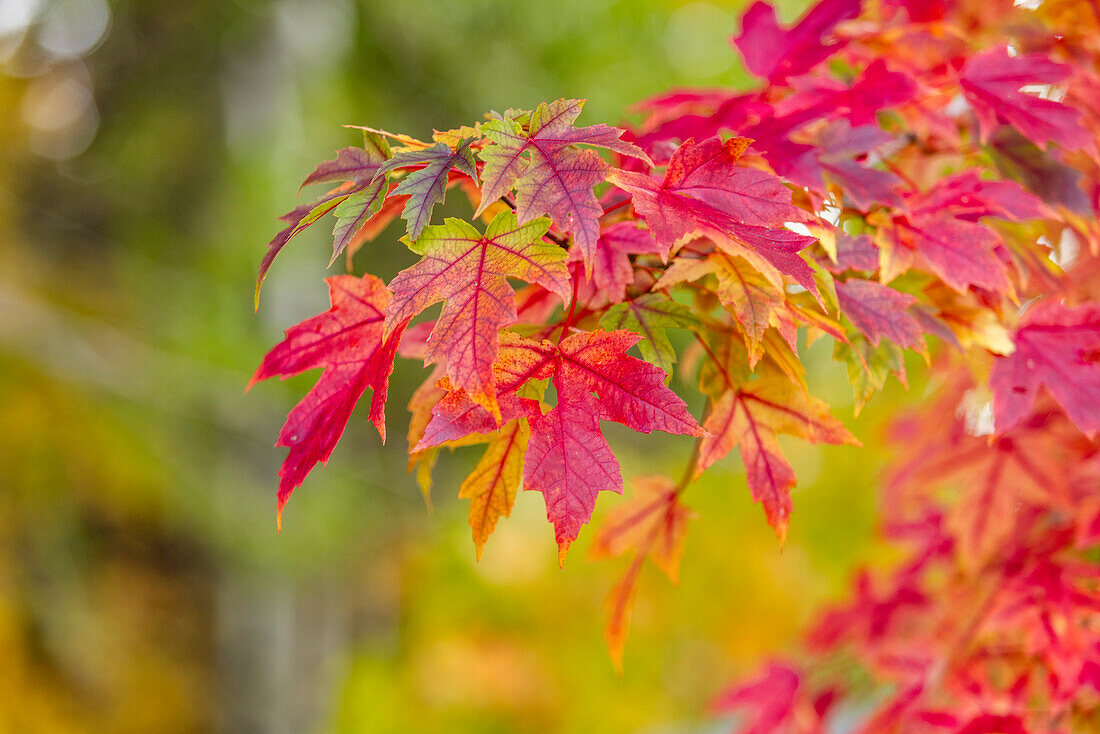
pixel 902 172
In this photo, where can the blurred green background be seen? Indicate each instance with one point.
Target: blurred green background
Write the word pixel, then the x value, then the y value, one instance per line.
pixel 146 148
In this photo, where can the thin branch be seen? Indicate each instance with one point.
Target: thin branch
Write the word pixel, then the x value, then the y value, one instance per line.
pixel 559 241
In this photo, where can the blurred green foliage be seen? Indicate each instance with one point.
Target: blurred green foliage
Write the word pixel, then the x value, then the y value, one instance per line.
pixel 142 585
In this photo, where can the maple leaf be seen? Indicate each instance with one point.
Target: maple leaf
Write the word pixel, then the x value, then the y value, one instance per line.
pixel 568 459
pixel 775 54
pixel 705 188
pixel 348 344
pixel 970 198
pixel 741 289
pixel 611 271
pixel 880 311
pixel 491 487
pixel 877 88
pixel 1057 347
pixel 553 178
pixel 705 191
pixel 427 185
pixel 775 700
pixel 356 168
pixel 750 417
pixel 653 524
pixel 650 315
pixel 839 144
pixel 960 252
pixel 992 82
pixel 469 272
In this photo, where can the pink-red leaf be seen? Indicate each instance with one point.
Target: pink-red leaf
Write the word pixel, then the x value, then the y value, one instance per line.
pixel 568 459
pixel 569 462
pixel 992 82
pixel 705 191
pixel 469 272
pixel 554 178
pixel 347 343
pixel 1057 347
pixel 611 270
pixel 776 53
pixel 880 311
pixel 750 417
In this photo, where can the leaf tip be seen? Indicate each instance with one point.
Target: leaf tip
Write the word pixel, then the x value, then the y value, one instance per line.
pixel 563 548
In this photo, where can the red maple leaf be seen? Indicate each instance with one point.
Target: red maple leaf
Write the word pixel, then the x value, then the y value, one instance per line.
pixel 1057 347
pixel 347 343
pixel 611 270
pixel 880 311
pixel 751 417
pixel 992 82
pixel 557 179
pixel 775 54
pixel 877 88
pixel 960 252
pixel 706 191
pixel 568 459
pixel 469 271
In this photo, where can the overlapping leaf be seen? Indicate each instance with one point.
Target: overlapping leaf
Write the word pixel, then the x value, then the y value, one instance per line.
pixel 775 53
pixel 1057 347
pixel 348 344
pixel 705 191
pixel 879 311
pixel 611 271
pixel 568 459
pixel 750 417
pixel 553 178
pixel 468 271
pixel 992 82
pixel 427 185
pixel 360 196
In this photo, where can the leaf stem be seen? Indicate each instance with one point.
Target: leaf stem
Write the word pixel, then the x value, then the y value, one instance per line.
pixel 608 209
pixel 572 309
pixel 689 470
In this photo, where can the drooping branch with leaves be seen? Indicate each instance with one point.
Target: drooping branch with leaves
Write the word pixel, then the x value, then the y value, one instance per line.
pixel 916 175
